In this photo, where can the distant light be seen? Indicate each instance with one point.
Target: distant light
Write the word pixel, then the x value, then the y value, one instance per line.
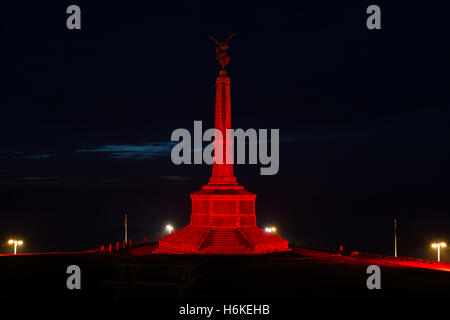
pixel 438 246
pixel 16 243
pixel 169 228
pixel 270 229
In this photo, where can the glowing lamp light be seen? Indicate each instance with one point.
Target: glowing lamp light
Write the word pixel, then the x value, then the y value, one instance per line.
pixel 169 228
pixel 270 229
pixel 15 243
pixel 438 246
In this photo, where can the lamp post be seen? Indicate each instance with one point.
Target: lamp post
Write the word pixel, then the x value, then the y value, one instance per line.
pixel 438 246
pixel 126 230
pixel 15 243
pixel 169 228
pixel 395 237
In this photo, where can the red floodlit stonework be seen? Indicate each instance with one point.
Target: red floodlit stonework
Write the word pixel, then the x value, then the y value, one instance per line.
pixel 223 217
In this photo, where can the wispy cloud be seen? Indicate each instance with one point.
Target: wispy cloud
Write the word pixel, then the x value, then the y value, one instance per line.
pixel 25 155
pixel 162 149
pixel 306 137
pixel 319 137
pixel 131 151
pixel 40 156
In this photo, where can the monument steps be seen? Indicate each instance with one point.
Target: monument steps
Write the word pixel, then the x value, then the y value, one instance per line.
pixel 224 241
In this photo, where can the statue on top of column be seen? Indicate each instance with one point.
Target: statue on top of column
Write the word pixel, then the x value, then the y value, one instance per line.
pixel 221 50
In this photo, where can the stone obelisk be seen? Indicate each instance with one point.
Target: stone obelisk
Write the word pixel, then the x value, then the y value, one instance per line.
pixel 223 170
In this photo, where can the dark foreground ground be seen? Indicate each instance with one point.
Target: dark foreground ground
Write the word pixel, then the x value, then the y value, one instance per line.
pixel 296 275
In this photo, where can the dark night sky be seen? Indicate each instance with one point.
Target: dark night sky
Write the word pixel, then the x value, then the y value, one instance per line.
pixel 363 117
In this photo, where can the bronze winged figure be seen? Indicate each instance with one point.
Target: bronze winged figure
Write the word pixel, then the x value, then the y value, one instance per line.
pixel 221 50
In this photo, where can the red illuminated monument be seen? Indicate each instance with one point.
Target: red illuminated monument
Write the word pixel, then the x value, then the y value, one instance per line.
pixel 223 217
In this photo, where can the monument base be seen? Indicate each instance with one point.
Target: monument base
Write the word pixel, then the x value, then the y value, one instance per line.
pixel 223 221
pixel 221 241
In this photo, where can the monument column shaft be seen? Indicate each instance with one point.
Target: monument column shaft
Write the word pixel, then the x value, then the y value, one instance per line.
pixel 223 172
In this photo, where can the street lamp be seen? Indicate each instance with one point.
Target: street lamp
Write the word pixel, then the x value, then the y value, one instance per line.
pixel 169 228
pixel 15 243
pixel 438 246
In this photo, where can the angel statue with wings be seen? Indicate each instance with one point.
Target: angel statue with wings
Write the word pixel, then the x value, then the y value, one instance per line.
pixel 221 50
